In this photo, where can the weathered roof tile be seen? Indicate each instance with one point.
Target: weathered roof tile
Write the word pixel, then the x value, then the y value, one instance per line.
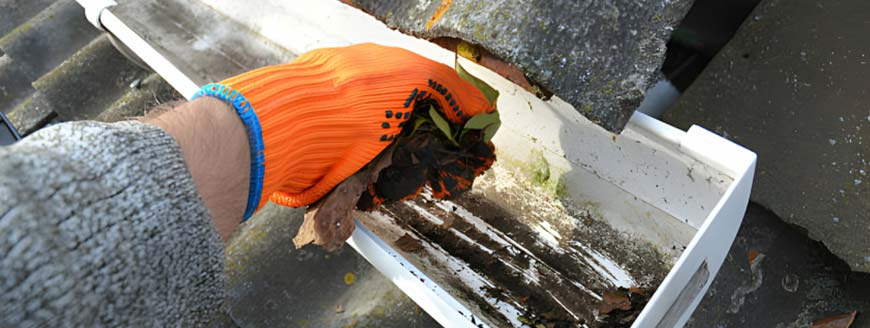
pixel 600 56
pixel 56 67
pixel 15 12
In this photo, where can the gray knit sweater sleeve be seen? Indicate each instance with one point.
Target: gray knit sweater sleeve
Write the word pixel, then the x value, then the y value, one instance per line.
pixel 101 225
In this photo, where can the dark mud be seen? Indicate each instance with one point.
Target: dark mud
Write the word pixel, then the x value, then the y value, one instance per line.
pixel 551 285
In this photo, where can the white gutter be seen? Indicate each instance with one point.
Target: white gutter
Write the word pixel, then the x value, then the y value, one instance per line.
pixel 98 14
pixel 439 304
pixel 93 10
pixel 685 284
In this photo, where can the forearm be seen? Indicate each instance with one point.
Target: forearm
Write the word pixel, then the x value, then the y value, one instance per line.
pixel 214 143
pixel 101 226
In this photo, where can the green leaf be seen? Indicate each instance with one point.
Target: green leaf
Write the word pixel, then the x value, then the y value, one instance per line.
pixel 490 131
pixel 488 92
pixel 442 124
pixel 467 50
pixel 525 320
pixel 418 123
pixel 481 121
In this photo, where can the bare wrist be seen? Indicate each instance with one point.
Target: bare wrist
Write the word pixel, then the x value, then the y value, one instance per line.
pixel 214 143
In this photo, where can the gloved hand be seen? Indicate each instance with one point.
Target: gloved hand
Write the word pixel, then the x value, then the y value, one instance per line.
pixel 316 121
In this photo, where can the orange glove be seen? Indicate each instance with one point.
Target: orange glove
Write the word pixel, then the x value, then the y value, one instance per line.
pixel 319 119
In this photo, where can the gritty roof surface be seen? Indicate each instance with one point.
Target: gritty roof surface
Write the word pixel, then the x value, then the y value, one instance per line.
pixel 600 56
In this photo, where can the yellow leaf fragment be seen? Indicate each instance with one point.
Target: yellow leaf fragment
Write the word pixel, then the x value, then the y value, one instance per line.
pixel 349 278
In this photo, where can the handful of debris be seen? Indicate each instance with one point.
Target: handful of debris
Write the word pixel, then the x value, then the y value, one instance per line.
pixel 431 152
pixel 620 307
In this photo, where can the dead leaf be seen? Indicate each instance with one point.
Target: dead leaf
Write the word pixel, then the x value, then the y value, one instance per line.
pixel 439 12
pixel 628 320
pixel 328 222
pixel 753 254
pixel 349 278
pixel 486 59
pixel 637 291
pixel 448 222
pixel 837 321
pixel 612 301
pixel 408 243
pixel 525 320
pixel 468 51
pixel 509 71
pixel 552 316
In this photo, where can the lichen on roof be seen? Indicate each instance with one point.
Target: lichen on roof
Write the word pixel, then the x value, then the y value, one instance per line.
pixel 600 56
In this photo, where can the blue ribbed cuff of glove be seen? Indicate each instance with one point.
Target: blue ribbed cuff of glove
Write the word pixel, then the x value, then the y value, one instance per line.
pixel 255 138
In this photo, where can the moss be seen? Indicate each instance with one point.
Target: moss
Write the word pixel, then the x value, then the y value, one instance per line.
pixel 21 108
pixel 66 69
pixel 241 245
pixel 542 175
pixel 609 89
pixel 24 28
pixel 560 189
pixel 14 34
pixel 379 311
pixel 539 168
pixel 125 99
pixel 479 34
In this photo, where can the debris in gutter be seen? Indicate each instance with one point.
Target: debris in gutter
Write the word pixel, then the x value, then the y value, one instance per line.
pixel 484 58
pixel 408 243
pixel 613 301
pixel 444 155
pixel 328 222
pixel 349 278
pixel 837 321
pixel 753 254
pixel 739 296
pixel 621 307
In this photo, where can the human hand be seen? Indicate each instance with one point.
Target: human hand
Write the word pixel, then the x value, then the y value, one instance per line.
pixel 316 121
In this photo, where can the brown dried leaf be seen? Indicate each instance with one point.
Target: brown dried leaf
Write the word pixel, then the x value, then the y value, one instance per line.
pixel 509 71
pixel 612 301
pixel 408 243
pixel 328 222
pixel 448 222
pixel 837 321
pixel 486 59
pixel 753 254
pixel 637 291
pixel 628 320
